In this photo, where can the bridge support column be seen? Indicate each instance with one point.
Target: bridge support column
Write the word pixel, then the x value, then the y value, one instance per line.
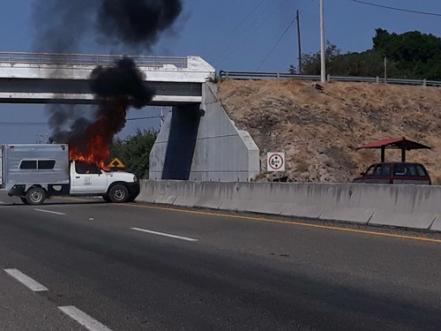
pixel 203 144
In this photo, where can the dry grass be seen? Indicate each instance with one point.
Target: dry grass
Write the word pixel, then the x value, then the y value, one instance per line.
pixel 320 131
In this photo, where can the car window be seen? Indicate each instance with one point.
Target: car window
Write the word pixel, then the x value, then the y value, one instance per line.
pixel 421 171
pixel 400 170
pixel 378 170
pixel 382 170
pixel 411 170
pixel 83 168
pixel 370 171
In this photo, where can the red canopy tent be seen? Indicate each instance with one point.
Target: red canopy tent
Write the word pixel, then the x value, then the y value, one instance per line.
pixel 394 143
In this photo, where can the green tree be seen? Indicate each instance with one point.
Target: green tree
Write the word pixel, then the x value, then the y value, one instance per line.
pixel 410 55
pixel 134 151
pixel 311 63
pixel 416 54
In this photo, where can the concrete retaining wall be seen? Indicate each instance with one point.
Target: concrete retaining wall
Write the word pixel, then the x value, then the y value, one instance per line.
pixel 417 207
pixel 202 143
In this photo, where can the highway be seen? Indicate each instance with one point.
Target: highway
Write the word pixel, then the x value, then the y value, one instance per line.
pixel 81 264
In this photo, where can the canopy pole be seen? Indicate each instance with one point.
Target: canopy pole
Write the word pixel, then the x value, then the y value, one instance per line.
pixel 403 155
pixel 383 154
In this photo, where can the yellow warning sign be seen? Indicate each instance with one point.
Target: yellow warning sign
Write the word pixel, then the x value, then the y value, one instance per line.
pixel 116 163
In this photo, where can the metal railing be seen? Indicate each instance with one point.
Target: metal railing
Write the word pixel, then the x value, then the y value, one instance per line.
pixel 274 76
pixel 88 59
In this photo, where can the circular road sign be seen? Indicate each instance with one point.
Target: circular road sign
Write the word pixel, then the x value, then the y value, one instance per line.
pixel 276 161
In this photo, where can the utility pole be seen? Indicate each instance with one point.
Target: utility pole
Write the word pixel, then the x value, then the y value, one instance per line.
pixel 322 42
pixel 385 70
pixel 299 40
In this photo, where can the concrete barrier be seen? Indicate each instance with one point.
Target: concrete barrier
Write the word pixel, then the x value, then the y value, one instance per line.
pixel 410 206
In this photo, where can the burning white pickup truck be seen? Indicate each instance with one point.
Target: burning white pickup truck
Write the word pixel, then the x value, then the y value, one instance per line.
pixel 37 172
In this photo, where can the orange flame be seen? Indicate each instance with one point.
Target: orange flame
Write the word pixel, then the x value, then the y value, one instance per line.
pixel 97 152
pixel 98 137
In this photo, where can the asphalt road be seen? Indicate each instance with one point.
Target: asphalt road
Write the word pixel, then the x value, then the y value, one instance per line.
pixel 141 267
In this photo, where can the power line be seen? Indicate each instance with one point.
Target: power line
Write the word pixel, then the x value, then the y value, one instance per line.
pixel 253 28
pixel 246 17
pixel 229 47
pixel 412 11
pixel 291 23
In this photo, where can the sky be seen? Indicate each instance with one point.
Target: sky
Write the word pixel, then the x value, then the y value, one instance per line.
pixel 239 35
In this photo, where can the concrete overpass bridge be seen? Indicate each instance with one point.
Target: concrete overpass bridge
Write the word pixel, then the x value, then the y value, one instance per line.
pixel 63 78
pixel 198 140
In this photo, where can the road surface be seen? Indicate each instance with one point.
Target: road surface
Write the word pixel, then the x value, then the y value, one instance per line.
pixel 80 264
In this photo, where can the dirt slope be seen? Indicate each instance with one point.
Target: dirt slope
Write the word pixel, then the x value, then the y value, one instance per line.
pixel 320 130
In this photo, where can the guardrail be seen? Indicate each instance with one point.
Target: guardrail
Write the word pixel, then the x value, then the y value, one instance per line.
pixel 274 76
pixel 88 59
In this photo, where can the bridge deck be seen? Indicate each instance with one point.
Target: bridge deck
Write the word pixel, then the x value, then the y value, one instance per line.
pixel 44 77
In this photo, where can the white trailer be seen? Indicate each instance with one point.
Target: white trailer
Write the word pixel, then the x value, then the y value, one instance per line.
pixel 36 172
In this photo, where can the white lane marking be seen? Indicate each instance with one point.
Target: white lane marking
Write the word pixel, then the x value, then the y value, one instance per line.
pixel 164 234
pixel 83 319
pixel 50 212
pixel 26 280
pixel 2 203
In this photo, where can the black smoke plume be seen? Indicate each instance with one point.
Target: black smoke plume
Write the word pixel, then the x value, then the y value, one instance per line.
pixel 116 88
pixel 62 25
pixel 136 22
pixel 123 81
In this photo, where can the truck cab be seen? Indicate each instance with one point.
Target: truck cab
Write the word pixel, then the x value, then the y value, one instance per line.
pixel 113 186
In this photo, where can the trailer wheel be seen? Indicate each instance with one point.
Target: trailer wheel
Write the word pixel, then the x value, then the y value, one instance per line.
pixel 35 196
pixel 118 193
pixel 24 200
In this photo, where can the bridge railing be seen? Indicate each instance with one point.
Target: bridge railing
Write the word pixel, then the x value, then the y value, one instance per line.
pixel 89 59
pixel 275 76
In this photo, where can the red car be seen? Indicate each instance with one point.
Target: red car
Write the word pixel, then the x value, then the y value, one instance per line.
pixel 395 173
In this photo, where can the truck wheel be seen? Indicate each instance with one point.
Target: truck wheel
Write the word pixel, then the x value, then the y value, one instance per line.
pixel 118 193
pixel 106 198
pixel 24 200
pixel 35 196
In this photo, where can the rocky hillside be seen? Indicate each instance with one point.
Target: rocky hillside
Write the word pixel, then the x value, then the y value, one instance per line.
pixel 320 128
